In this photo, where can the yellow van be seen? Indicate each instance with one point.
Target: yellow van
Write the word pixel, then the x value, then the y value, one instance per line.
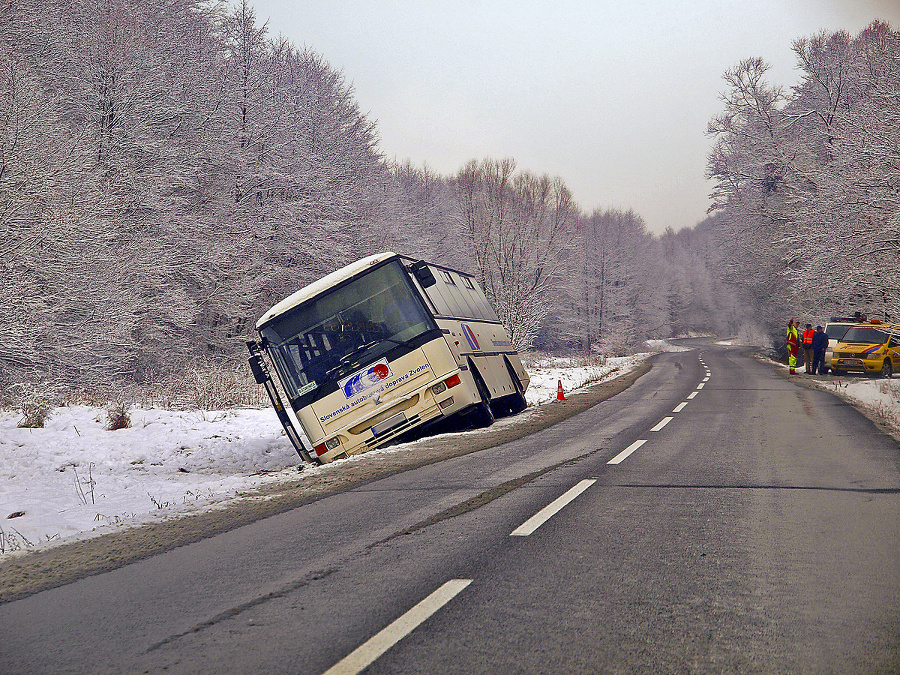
pixel 872 347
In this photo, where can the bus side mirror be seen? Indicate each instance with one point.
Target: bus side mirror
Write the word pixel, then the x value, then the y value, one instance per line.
pixel 423 274
pixel 256 364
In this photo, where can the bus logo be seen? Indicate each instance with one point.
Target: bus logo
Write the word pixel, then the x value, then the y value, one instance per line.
pixel 470 336
pixel 366 378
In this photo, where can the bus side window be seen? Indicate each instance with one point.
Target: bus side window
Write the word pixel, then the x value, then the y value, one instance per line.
pixel 465 290
pixel 479 303
pixel 476 303
pixel 456 304
pixel 438 298
pixel 485 307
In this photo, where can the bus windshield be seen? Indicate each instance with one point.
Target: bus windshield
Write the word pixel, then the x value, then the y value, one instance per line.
pixel 336 332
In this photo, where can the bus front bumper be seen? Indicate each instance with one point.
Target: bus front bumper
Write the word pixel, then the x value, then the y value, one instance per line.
pixel 430 407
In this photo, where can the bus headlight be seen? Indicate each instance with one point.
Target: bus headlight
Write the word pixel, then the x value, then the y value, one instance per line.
pixel 446 403
pixel 439 388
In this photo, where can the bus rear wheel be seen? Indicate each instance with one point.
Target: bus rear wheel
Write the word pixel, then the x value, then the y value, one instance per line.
pixel 515 403
pixel 482 416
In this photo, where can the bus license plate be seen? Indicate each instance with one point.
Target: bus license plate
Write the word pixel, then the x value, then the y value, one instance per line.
pixel 388 424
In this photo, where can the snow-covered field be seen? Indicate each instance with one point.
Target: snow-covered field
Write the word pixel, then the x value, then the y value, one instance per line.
pixel 75 479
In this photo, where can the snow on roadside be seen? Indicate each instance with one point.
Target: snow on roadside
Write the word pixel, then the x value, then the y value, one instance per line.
pixel 74 479
pixel 879 398
pixel 547 372
pixel 73 476
pixel 665 346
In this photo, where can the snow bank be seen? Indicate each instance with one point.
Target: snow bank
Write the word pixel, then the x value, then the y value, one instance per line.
pixel 880 398
pixel 74 476
pixel 547 372
pixel 665 346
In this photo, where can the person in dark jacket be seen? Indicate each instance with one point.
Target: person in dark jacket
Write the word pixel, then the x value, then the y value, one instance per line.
pixel 819 344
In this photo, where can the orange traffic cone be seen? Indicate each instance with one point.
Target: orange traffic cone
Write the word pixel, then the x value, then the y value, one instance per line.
pixel 560 396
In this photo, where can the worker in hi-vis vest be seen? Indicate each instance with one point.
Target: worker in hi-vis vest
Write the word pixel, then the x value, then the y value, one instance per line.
pixel 807 342
pixel 793 344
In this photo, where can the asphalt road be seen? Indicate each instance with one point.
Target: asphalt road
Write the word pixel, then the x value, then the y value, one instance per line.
pixel 740 523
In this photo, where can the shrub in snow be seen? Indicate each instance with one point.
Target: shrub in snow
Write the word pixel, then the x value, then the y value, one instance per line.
pixel 35 412
pixel 118 417
pixel 13 540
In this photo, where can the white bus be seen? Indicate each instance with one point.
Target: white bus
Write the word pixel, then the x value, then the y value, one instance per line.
pixel 380 347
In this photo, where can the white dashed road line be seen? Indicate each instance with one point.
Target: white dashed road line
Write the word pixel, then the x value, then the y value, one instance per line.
pixel 550 510
pixel 663 422
pixel 361 657
pixel 366 654
pixel 627 451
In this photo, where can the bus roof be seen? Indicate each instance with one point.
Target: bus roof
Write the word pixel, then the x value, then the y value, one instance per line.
pixel 323 284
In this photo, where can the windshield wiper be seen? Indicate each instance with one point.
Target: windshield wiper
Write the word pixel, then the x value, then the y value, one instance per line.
pixel 346 359
pixel 402 343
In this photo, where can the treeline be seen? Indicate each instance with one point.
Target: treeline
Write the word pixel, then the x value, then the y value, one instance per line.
pixel 808 180
pixel 561 279
pixel 168 171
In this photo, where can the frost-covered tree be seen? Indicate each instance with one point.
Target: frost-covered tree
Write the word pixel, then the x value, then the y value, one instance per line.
pixel 519 228
pixel 419 216
pixel 167 173
pixel 749 162
pixel 806 182
pixel 697 301
pixel 615 271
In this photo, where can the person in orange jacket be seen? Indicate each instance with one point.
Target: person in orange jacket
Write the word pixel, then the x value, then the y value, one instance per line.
pixel 807 341
pixel 793 344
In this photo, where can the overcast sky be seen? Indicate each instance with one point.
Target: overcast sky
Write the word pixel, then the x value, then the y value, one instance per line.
pixel 613 97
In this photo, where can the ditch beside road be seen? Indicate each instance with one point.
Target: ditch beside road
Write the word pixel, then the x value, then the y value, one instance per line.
pixel 39 571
